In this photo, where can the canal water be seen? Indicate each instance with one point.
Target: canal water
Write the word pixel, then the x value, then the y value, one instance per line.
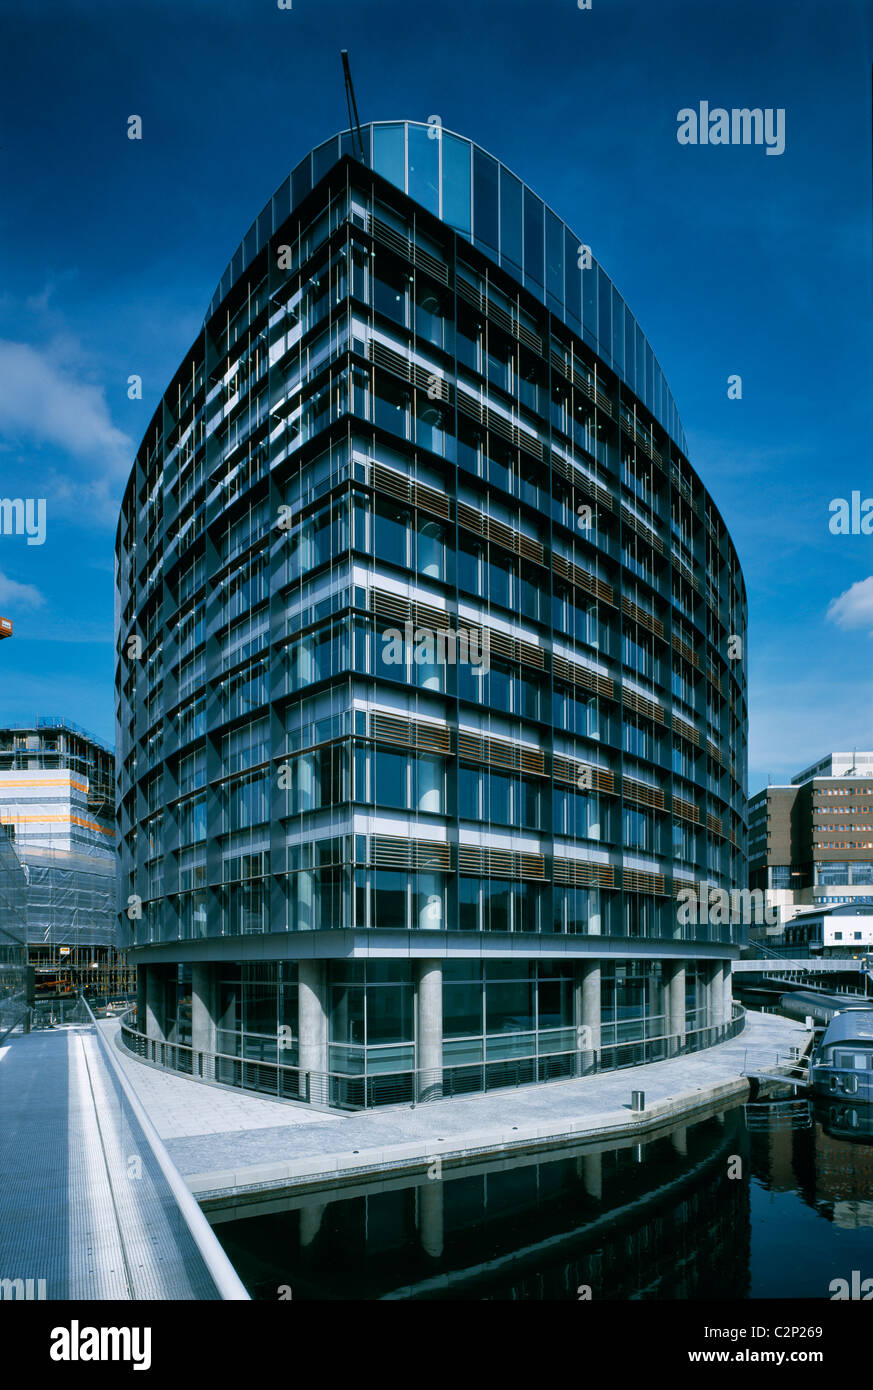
pixel 768 1200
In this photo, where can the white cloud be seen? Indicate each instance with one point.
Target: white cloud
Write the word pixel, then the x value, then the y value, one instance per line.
pixel 15 595
pixel 45 400
pixel 854 608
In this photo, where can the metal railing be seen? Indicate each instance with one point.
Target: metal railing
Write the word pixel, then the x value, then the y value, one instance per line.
pixel 227 1282
pixel 416 1086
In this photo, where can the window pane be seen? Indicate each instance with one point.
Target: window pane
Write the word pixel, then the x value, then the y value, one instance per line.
pixel 510 219
pixel 485 200
pixel 533 237
pixel 388 153
pixel 604 322
pixel 456 183
pixel 323 158
pixel 555 257
pixel 424 154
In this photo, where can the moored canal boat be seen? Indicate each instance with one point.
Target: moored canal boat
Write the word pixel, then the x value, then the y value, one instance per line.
pixel 843 1061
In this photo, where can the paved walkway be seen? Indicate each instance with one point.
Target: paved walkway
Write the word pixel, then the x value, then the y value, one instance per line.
pixel 226 1142
pixel 85 1210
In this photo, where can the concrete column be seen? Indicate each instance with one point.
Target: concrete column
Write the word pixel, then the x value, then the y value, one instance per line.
pixel 591 1013
pixel 680 1140
pixel 716 995
pixel 141 998
pixel 430 1217
pixel 728 992
pixel 203 1017
pixel 675 1002
pixel 156 1002
pixel 311 1217
pixel 312 1030
pixel 429 1030
pixel 592 1174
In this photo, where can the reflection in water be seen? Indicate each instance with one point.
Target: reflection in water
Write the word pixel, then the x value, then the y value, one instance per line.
pixel 659 1220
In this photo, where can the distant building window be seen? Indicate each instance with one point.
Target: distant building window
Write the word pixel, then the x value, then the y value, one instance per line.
pixel 838 936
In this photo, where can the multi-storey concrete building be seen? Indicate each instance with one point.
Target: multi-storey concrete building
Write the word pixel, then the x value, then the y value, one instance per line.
pixel 811 842
pixel 431 692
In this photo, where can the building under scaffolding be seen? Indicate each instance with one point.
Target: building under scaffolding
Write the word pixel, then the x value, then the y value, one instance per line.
pixel 57 796
pixel 13 935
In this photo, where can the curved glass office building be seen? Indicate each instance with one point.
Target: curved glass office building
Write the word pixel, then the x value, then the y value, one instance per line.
pixel 430 690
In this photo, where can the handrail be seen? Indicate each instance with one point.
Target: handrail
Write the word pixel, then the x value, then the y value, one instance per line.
pixel 225 1277
pixel 428 1084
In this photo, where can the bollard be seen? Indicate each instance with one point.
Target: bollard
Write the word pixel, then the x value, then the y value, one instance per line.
pixel 638 1101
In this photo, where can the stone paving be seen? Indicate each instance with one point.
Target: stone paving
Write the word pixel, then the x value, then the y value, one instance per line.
pixel 225 1141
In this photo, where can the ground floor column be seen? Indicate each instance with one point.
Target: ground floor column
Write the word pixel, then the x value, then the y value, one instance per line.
pixel 156 1002
pixel 312 1028
pixel 430 1217
pixel 141 998
pixel 589 1039
pixel 716 995
pixel 203 1019
pixel 592 1174
pixel 675 1005
pixel 429 1030
pixel 728 992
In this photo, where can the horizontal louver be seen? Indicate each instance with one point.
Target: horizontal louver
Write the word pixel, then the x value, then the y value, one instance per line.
pixel 406 490
pixel 514 649
pixel 499 533
pixel 408 250
pixel 392 852
pixel 507 321
pixel 645 532
pixel 687 574
pixel 639 704
pixel 583 676
pixel 568 569
pixel 642 616
pixel 569 771
pixel 685 730
pixel 638 881
pixel 583 873
pixel 640 437
pixel 581 480
pixel 687 653
pixel 494 752
pixel 410 733
pixel 715 753
pixel 475 861
pixel 495 423
pixel 401 610
pixel 642 793
pixel 425 378
pixel 685 810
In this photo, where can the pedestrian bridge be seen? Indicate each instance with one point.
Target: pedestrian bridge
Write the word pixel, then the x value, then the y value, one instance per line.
pixel 777 965
pixel 91 1206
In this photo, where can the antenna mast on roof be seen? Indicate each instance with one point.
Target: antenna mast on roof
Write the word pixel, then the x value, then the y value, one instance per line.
pixel 354 125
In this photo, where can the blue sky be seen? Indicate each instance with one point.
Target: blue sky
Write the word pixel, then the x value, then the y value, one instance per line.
pixel 733 261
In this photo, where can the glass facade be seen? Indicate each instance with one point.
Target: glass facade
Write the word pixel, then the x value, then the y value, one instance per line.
pixel 432 618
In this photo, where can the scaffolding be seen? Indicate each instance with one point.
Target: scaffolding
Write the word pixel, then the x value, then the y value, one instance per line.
pixel 52 744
